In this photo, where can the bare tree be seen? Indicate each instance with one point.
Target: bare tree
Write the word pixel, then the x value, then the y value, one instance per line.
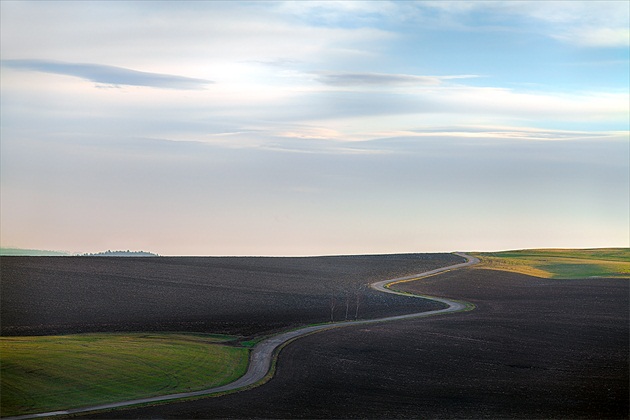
pixel 347 305
pixel 333 303
pixel 357 294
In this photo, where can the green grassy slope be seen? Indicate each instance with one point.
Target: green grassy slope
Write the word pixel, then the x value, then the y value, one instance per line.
pixel 49 373
pixel 561 263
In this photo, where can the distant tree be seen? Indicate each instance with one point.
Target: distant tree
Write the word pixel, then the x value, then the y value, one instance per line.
pixel 127 253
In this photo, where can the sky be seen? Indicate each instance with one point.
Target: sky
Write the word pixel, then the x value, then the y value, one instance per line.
pixel 314 128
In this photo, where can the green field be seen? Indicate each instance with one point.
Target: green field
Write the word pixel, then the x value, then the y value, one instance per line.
pixel 49 373
pixel 560 263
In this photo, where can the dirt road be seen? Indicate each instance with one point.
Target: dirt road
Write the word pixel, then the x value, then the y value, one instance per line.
pixel 264 352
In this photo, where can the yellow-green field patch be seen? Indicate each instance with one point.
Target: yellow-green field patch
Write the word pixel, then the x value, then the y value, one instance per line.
pixel 561 263
pixel 47 373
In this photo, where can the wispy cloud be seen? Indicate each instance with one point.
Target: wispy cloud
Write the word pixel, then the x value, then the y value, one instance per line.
pixel 109 75
pixel 582 23
pixel 383 79
pixel 596 37
pixel 514 133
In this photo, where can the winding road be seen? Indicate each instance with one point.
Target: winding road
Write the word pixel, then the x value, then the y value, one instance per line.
pixel 264 353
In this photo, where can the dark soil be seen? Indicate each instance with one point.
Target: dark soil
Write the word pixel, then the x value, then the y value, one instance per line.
pixel 533 348
pixel 241 296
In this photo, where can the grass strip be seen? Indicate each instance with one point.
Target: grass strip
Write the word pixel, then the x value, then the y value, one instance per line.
pixel 47 373
pixel 560 263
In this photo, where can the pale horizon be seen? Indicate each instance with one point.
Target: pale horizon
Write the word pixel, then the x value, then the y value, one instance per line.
pixel 79 254
pixel 314 128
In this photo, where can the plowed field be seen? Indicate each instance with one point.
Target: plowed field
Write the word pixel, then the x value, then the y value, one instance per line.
pixel 243 296
pixel 533 348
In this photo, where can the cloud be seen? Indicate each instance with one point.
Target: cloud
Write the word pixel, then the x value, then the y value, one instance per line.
pixel 333 13
pixel 202 37
pixel 398 109
pixel 109 75
pixel 382 79
pixel 596 37
pixel 513 133
pixel 582 23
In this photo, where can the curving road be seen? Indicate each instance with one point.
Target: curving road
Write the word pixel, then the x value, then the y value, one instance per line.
pixel 263 354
